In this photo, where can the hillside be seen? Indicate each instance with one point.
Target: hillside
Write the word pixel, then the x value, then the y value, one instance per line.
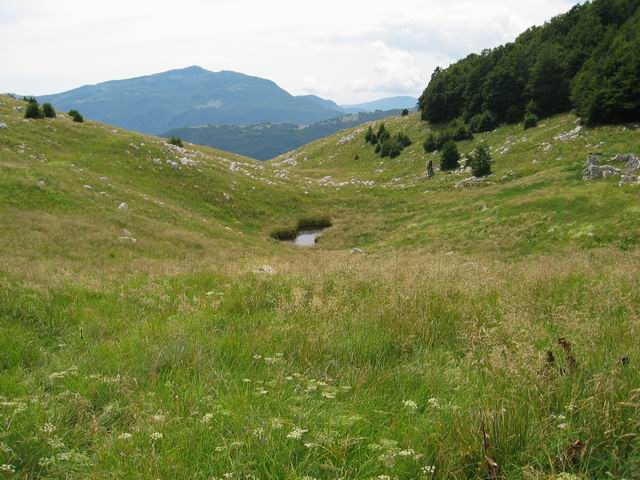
pixel 489 331
pixel 584 60
pixel 265 141
pixel 190 96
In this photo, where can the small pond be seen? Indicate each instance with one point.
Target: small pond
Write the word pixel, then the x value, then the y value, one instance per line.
pixel 307 238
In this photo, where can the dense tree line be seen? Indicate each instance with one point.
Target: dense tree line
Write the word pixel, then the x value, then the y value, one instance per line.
pixel 586 59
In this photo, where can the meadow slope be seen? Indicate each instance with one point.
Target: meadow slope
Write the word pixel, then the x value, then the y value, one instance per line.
pixel 487 332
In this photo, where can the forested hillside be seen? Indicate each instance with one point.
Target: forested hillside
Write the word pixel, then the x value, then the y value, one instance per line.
pixel 586 60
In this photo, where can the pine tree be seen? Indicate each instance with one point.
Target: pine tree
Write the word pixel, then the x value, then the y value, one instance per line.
pixel 33 109
pixel 431 143
pixel 481 161
pixel 450 156
pixel 48 110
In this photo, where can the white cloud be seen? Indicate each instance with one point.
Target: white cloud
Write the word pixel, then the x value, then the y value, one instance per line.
pixel 348 51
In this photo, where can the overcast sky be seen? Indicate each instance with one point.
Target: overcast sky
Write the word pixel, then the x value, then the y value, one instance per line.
pixel 346 50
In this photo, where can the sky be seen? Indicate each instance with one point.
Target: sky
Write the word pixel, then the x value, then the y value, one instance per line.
pixel 347 50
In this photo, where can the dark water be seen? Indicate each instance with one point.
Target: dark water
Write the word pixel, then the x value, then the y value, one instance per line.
pixel 307 238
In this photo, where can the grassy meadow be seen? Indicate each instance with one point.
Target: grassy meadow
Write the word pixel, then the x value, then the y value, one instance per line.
pixel 486 332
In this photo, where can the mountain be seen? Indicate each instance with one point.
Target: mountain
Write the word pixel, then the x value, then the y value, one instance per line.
pixel 191 96
pixel 265 141
pixel 389 103
pixel 321 101
pixel 585 60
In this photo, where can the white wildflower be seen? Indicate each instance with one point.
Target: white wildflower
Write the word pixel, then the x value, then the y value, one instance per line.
pixel 328 395
pixel 124 436
pixel 410 404
pixel 563 426
pixel 207 418
pixel 433 402
pixel 7 467
pixel 48 428
pixel 428 470
pixel 159 418
pixel 296 433
pixel 277 423
pixel 156 436
pixel 406 453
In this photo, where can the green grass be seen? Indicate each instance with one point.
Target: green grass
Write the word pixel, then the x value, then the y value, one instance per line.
pixel 178 357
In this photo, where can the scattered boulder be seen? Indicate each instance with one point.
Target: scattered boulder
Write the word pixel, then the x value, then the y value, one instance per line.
pixel 631 161
pixel 123 206
pixel 357 250
pixel 469 182
pixel 629 179
pixel 570 135
pixel 128 239
pixel 266 269
pixel 594 170
pixel 3 125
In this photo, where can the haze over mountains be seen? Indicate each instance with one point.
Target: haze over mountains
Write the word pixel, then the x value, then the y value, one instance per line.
pixel 195 96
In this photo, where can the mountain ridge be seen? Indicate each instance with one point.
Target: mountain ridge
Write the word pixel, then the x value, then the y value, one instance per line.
pixel 189 96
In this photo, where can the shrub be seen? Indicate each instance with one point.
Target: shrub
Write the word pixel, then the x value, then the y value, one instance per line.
pixel 383 135
pixel 77 117
pixel 405 112
pixel 460 131
pixel 370 137
pixel 450 156
pixel 483 122
pixel 530 121
pixel 177 141
pixel 480 161
pixel 314 222
pixel 443 137
pixel 431 143
pixel 390 148
pixel 403 140
pixel 33 110
pixel 48 110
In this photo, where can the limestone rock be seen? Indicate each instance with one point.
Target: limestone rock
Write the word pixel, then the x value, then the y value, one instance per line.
pixel 123 206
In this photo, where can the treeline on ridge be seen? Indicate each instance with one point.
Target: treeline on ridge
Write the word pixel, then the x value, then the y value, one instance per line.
pixel 586 60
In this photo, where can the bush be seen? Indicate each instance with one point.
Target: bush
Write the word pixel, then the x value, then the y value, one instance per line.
pixel 77 117
pixel 403 140
pixel 383 135
pixel 370 137
pixel 530 121
pixel 460 131
pixel 480 161
pixel 177 141
pixel 483 122
pixel 33 110
pixel 391 148
pixel 48 110
pixel 431 143
pixel 450 156
pixel 405 112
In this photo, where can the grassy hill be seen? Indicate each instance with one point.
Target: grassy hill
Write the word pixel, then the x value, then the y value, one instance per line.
pixel 487 332
pixel 268 140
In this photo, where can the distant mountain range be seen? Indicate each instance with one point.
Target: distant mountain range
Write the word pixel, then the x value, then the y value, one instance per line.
pixel 195 96
pixel 269 140
pixel 389 103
